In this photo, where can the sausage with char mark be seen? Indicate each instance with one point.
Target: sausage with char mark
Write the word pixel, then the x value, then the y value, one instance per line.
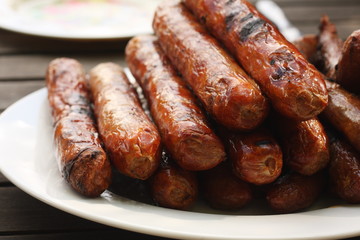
pixel 225 90
pixel 79 153
pixel 295 88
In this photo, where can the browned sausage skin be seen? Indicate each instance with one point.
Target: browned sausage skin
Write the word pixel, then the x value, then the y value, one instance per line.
pixel 348 71
pixel 295 88
pixel 172 186
pixel 341 60
pixel 223 190
pixel 225 90
pixel 256 157
pixel 81 158
pixel 307 45
pixel 293 192
pixel 181 123
pixel 130 138
pixel 330 47
pixel 344 171
pixel 343 112
pixel 305 144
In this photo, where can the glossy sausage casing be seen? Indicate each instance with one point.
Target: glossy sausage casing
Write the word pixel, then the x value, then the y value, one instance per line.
pixel 130 138
pixel 223 190
pixel 341 60
pixel 295 88
pixel 307 45
pixel 305 144
pixel 225 90
pixel 81 158
pixel 181 123
pixel 348 71
pixel 343 112
pixel 293 192
pixel 344 171
pixel 256 157
pixel 330 46
pixel 172 186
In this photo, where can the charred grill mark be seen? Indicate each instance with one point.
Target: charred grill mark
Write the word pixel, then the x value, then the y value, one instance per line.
pixel 247 17
pixel 83 99
pixel 203 19
pixel 281 60
pixel 262 143
pixel 230 18
pixel 279 73
pixel 229 2
pixel 250 28
pixel 83 111
pixel 69 165
pixel 76 99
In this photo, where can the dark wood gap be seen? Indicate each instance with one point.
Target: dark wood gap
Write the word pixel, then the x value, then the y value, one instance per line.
pixel 84 52
pixel 11 91
pixel 76 235
pixel 10 233
pixel 6 184
pixel 34 66
pixel 22 79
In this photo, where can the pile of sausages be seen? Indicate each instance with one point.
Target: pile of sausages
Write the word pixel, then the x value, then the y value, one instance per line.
pixel 236 112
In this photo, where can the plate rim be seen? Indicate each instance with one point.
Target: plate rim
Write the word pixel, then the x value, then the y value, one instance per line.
pixel 39 96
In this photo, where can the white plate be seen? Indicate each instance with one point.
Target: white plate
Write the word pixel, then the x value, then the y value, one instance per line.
pixel 27 160
pixel 78 19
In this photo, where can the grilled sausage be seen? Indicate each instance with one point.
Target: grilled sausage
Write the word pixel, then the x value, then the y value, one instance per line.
pixel 340 60
pixel 344 171
pixel 348 71
pixel 80 156
pixel 225 90
pixel 330 47
pixel 307 45
pixel 343 112
pixel 181 123
pixel 172 186
pixel 256 157
pixel 305 144
pixel 293 192
pixel 130 138
pixel 295 88
pixel 223 190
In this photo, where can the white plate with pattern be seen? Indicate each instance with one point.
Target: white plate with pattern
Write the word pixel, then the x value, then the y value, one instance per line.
pixel 78 19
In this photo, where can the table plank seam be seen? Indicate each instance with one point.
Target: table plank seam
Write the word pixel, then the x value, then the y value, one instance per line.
pixel 21 79
pixel 6 184
pixel 63 53
pixel 36 232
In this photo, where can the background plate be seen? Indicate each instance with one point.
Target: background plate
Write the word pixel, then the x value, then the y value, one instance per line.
pixel 78 19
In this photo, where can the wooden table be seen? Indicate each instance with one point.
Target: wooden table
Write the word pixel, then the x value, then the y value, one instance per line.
pixel 23 60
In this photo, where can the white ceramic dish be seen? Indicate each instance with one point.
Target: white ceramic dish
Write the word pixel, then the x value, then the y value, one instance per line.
pixel 78 19
pixel 27 160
